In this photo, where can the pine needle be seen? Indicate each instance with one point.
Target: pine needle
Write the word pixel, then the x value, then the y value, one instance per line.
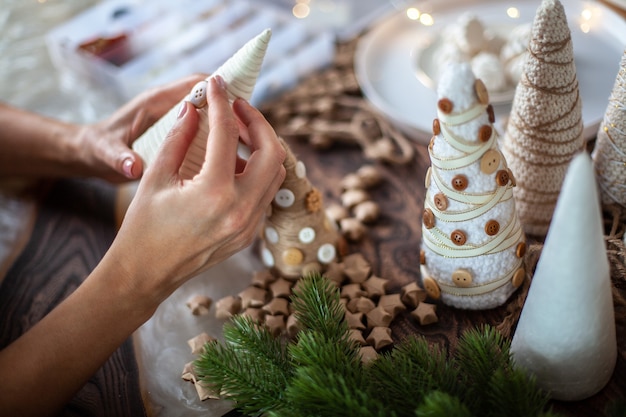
pixel 440 404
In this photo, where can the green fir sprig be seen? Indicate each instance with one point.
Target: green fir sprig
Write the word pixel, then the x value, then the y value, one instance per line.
pixel 320 373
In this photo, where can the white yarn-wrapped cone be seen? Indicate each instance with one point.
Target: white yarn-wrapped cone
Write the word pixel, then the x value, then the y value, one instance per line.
pixel 545 126
pixel 473 245
pixel 240 73
pixel 566 332
pixel 609 154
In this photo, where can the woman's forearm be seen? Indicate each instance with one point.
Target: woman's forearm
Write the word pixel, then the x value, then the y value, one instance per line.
pixel 34 145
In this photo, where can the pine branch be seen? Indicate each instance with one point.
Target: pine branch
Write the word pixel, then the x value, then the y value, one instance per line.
pixel 440 404
pixel 511 393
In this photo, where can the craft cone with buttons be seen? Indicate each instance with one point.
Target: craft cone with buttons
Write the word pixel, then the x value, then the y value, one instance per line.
pixel 240 73
pixel 473 243
pixel 297 237
pixel 609 154
pixel 545 126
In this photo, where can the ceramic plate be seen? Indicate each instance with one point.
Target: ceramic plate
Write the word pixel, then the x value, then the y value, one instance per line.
pixel 385 68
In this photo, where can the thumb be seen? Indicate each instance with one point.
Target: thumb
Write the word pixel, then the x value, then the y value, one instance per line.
pixel 177 141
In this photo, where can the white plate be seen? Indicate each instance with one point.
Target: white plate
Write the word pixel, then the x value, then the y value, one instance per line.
pixel 385 70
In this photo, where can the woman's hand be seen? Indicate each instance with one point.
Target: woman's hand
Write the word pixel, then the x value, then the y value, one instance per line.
pixel 177 228
pixel 104 148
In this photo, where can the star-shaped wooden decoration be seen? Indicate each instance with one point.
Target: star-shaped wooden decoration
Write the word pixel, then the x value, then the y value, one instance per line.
pixel 425 313
pixel 379 337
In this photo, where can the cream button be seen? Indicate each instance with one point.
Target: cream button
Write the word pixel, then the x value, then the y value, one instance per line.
pixel 441 201
pixel 427 178
pixel 284 198
pixel 292 256
pixel 462 278
pixel 267 258
pixel 197 96
pixel 481 92
pixel 306 235
pixel 300 169
pixel 326 253
pixel 271 234
pixel 490 161
pixel 431 287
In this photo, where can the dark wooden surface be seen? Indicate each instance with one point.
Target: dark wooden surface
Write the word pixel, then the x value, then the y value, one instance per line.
pixel 73 229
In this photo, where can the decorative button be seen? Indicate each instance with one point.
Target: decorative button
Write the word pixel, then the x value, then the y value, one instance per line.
pixel 267 257
pixel 292 256
pixel 284 198
pixel 422 257
pixel 518 277
pixel 306 235
pixel 520 251
pixel 484 133
pixel 459 182
pixel 197 96
pixel 445 105
pixel 441 201
pixel 326 253
pixel 458 237
pixel 431 144
pixel 436 127
pixel 492 227
pixel 271 234
pixel 427 178
pixel 462 278
pixel 491 114
pixel 428 218
pixel 431 287
pixel 502 178
pixel 300 169
pixel 481 92
pixel 490 161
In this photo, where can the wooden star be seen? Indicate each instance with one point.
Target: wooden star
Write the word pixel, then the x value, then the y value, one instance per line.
pixel 356 268
pixel 425 313
pixel 252 297
pixel 368 354
pixel 412 294
pixel 378 317
pixel 375 286
pixel 334 272
pixel 281 288
pixel 256 314
pixel 227 307
pixel 379 337
pixel 392 304
pixel 275 324
pixel 357 336
pixel 277 306
pixel 352 291
pixel 355 320
pixel 199 305
pixel 263 279
pixel 197 343
pixel 293 327
pixel 362 304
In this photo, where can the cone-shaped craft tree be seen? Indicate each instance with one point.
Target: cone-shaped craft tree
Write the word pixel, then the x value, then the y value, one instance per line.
pixel 545 127
pixel 473 243
pixel 297 236
pixel 609 154
pixel 240 73
pixel 566 332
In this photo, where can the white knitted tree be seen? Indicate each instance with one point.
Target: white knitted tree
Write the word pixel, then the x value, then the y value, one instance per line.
pixel 473 244
pixel 609 154
pixel 545 127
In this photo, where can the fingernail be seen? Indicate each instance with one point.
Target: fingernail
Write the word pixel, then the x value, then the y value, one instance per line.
pixel 182 109
pixel 127 167
pixel 220 81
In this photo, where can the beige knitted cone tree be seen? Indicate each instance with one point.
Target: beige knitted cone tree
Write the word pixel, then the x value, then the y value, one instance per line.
pixel 545 127
pixel 240 73
pixel 609 154
pixel 472 240
pixel 297 237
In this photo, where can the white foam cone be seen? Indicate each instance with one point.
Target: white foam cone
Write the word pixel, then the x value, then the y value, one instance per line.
pixel 566 332
pixel 240 72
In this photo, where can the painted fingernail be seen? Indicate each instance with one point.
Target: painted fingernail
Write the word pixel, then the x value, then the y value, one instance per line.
pixel 220 81
pixel 127 167
pixel 182 109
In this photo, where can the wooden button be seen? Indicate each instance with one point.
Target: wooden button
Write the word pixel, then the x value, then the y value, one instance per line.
pixel 445 105
pixel 459 182
pixel 512 177
pixel 518 277
pixel 490 161
pixel 491 114
pixel 428 218
pixel 431 144
pixel 502 178
pixel 462 278
pixel 292 256
pixel 427 178
pixel 481 91
pixel 422 257
pixel 484 133
pixel 520 251
pixel 431 287
pixel 436 127
pixel 458 237
pixel 492 227
pixel 441 201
